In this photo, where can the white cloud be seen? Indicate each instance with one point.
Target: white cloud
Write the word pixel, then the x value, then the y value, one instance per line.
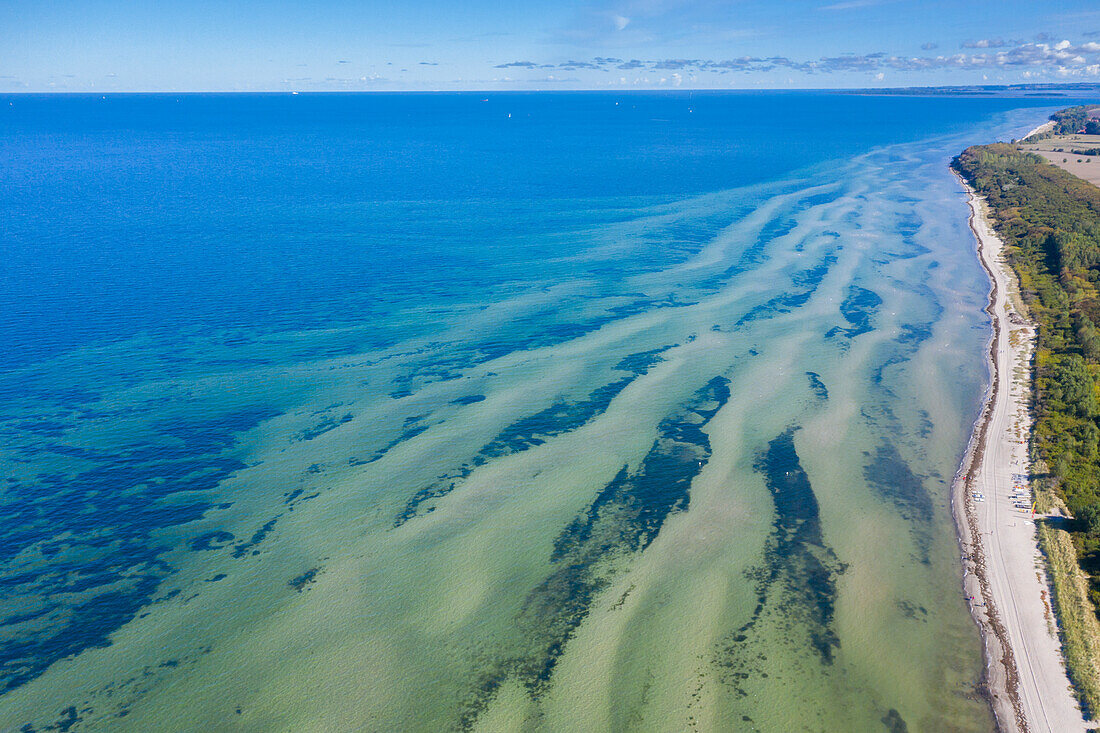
pixel 985 43
pixel 1028 59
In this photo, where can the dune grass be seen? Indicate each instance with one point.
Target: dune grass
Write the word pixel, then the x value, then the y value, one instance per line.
pixel 1080 629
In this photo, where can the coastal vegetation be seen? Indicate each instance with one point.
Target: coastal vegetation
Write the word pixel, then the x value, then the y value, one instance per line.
pixel 1078 622
pixel 1074 119
pixel 1049 220
pixel 1070 120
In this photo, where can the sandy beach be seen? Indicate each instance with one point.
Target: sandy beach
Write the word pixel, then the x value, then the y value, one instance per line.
pixel 1005 575
pixel 1046 126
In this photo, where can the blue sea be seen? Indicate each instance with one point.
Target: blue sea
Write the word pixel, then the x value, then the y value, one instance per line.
pixel 482 411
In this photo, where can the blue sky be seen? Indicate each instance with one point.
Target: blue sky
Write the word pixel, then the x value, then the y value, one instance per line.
pixel 172 45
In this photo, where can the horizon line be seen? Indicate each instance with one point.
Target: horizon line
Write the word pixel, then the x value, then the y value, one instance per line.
pixel 947 88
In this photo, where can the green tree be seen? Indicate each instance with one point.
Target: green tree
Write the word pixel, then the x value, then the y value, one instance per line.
pixel 1071 384
pixel 1088 519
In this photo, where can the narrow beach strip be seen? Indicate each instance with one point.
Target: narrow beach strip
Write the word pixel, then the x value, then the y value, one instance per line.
pixel 1045 127
pixel 1005 576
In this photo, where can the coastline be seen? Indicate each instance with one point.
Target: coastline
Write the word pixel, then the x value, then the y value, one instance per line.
pixel 1049 125
pixel 1005 578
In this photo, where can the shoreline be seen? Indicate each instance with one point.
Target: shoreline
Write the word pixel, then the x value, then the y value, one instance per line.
pixel 1049 125
pixel 1004 576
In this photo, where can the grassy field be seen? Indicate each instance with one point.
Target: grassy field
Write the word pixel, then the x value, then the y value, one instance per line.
pixel 1068 152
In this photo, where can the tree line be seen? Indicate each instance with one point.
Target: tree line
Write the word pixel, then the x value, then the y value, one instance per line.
pixel 1074 119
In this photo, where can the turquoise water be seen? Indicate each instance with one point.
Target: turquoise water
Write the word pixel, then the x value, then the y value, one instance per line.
pixel 518 412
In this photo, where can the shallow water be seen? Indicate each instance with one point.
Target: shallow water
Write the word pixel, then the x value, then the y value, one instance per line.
pixel 382 412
